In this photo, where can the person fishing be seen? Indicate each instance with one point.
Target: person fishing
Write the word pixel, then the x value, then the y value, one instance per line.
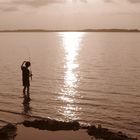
pixel 26 74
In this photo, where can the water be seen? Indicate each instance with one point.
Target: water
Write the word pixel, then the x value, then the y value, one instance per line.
pixel 88 77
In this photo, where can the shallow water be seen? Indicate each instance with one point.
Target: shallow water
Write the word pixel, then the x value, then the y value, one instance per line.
pixel 89 77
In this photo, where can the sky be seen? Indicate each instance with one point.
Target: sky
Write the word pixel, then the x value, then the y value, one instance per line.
pixel 69 14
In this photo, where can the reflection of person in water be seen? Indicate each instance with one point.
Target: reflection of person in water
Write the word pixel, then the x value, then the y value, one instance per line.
pixel 26 105
pixel 26 74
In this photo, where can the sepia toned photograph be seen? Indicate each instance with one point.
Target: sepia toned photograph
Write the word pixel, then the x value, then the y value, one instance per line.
pixel 69 69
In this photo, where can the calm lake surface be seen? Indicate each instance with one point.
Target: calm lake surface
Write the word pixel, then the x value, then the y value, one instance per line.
pixel 93 78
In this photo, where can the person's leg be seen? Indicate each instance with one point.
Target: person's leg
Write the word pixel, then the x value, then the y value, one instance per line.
pixel 24 89
pixel 28 91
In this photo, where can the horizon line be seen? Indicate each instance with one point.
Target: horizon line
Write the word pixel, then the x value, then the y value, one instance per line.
pixel 73 30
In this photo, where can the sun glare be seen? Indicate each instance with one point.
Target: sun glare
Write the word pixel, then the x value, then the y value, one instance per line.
pixel 72 45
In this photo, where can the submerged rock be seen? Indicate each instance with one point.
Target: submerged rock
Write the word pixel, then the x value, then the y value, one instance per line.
pixel 52 125
pixel 8 132
pixel 106 134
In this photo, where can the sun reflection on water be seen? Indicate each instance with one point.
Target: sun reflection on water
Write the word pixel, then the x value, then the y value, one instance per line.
pixel 72 44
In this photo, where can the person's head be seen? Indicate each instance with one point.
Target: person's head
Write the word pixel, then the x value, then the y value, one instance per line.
pixel 27 64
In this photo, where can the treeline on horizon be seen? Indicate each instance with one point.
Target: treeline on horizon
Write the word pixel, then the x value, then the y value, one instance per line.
pixel 82 30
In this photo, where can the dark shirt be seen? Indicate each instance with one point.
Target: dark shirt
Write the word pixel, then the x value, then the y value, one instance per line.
pixel 25 76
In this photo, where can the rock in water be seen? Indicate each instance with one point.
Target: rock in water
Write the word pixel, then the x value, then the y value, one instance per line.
pixel 8 132
pixel 104 133
pixel 52 125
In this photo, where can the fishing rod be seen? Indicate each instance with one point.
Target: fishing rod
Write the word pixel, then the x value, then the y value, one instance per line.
pixel 30 68
pixel 29 59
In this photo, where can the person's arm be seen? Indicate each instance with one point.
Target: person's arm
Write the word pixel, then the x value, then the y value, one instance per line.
pixel 31 74
pixel 22 64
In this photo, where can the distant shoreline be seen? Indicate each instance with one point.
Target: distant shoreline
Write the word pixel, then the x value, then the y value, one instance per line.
pixel 83 30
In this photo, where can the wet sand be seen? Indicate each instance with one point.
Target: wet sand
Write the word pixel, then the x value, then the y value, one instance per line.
pixel 25 133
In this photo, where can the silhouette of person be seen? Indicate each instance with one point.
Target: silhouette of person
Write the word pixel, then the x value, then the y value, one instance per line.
pixel 26 74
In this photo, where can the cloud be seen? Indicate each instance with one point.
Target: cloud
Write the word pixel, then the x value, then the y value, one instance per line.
pixel 7 6
pixel 134 1
pixel 8 9
pixel 84 1
pixel 36 3
pixel 13 5
pixel 108 0
pixel 131 1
